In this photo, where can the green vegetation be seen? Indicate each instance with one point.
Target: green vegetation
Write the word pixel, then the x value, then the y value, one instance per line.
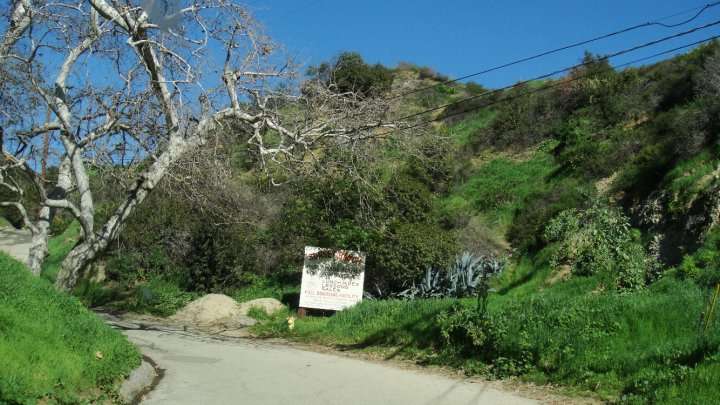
pixel 58 247
pixel 158 297
pixel 499 187
pixel 691 179
pixel 603 190
pixel 349 73
pixel 464 130
pixel 598 241
pixel 636 347
pixel 260 287
pixel 703 266
pixel 598 193
pixel 52 348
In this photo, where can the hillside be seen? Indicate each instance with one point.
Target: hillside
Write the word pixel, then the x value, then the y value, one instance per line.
pixel 595 192
pixel 53 349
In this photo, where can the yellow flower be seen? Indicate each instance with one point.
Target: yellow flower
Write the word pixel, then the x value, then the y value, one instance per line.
pixel 291 322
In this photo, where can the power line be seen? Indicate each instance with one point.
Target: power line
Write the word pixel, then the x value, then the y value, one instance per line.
pixel 687 11
pixel 563 70
pixel 475 108
pixel 570 46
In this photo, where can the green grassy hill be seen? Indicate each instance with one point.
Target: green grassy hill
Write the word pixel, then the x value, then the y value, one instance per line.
pixel 602 194
pixel 630 348
pixel 52 349
pixel 598 189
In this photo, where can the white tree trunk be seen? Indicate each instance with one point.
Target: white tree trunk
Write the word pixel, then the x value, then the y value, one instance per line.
pixel 39 242
pixel 41 230
pixel 84 253
pixel 74 264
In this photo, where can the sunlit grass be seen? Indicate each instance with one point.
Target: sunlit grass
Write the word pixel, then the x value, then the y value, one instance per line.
pixel 51 347
pixel 58 247
pixel 640 346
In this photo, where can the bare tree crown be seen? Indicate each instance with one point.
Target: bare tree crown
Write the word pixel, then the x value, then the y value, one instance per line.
pixel 123 83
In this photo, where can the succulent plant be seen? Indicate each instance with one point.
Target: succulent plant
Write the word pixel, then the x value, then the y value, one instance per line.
pixel 468 276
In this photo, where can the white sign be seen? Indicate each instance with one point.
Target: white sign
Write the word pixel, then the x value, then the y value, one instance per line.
pixel 332 279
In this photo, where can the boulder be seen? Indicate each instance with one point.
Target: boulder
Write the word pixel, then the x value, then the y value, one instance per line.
pixel 140 380
pixel 269 305
pixel 212 310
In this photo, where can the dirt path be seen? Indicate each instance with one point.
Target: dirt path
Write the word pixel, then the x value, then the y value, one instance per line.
pixel 15 242
pixel 200 370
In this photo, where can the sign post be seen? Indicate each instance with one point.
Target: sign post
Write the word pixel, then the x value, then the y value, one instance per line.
pixel 331 280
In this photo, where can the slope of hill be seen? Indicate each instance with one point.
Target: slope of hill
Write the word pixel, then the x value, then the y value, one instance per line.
pixel 599 189
pixel 52 348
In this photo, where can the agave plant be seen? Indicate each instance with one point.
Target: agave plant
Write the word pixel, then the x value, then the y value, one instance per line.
pixel 432 285
pixel 468 276
pixel 464 275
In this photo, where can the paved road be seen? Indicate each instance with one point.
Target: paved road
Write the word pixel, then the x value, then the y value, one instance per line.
pixel 15 242
pixel 206 371
pixel 203 371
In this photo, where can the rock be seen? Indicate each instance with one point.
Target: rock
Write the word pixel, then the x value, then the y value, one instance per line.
pixel 269 305
pixel 211 310
pixel 140 379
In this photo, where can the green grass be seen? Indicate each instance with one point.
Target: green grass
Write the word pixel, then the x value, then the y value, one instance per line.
pixel 464 131
pixel 637 347
pixel 691 178
pixel 49 344
pixel 496 189
pixel 404 326
pixel 58 247
pixel 4 223
pixel 263 288
pixel 157 296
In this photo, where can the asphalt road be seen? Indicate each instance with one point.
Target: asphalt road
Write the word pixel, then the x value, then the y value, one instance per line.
pixel 205 371
pixel 200 370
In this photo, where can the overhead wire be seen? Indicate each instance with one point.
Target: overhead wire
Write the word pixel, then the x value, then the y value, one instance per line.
pixel 657 22
pixel 548 87
pixel 559 71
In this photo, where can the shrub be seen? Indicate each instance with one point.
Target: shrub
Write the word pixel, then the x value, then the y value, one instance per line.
pixel 399 257
pixel 471 333
pixel 537 209
pixel 703 266
pixel 158 297
pixel 527 119
pixel 349 73
pixel 598 240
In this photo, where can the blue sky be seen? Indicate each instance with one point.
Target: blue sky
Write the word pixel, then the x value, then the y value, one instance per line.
pixel 462 36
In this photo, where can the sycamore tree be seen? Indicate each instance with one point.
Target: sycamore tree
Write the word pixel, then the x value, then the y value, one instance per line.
pixel 138 87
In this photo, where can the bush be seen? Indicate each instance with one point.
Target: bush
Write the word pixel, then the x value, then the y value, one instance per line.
pixel 598 240
pixel 703 266
pixel 399 257
pixel 526 120
pixel 469 333
pixel 170 236
pixel 390 216
pixel 350 73
pixel 539 207
pixel 158 297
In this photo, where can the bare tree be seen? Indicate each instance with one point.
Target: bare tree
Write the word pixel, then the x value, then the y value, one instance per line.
pixel 128 87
